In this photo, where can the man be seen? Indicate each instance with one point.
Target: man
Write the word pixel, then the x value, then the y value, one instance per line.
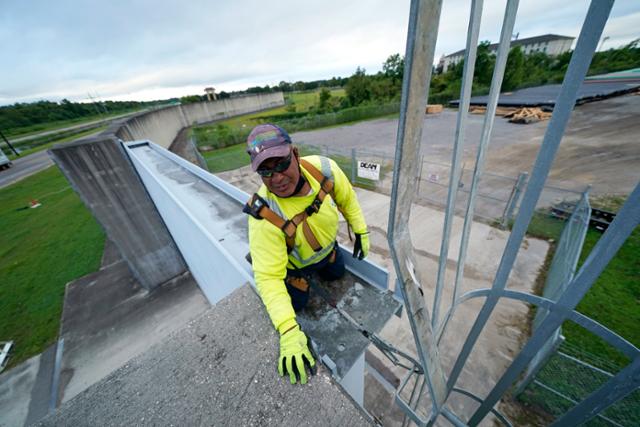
pixel 293 225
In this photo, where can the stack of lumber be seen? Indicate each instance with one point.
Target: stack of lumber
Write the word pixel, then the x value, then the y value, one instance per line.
pixel 527 115
pixel 500 111
pixel 434 109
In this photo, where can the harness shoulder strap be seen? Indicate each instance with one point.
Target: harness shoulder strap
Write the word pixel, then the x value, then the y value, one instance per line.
pixel 259 209
pixel 326 183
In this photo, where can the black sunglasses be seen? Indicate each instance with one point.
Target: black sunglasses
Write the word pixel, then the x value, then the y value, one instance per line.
pixel 280 167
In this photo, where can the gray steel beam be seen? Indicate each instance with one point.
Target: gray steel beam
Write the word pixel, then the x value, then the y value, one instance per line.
pixel 606 248
pixel 580 60
pixel 487 127
pixel 461 122
pixel 421 40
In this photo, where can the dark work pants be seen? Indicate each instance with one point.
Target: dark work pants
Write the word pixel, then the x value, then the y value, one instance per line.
pixel 325 269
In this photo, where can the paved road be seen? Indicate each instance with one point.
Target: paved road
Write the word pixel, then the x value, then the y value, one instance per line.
pixel 24 167
pixel 94 123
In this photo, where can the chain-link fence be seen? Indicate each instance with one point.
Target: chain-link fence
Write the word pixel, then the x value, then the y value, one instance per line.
pixel 368 169
pixel 562 374
pixel 498 196
pixel 570 375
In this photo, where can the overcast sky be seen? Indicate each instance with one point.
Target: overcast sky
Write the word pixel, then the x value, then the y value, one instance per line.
pixel 144 49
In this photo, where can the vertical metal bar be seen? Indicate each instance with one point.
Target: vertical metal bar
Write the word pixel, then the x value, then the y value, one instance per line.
pixel 580 60
pixel 461 122
pixel 621 227
pixel 413 392
pixel 625 382
pixel 540 362
pixel 420 175
pixel 514 198
pixel 490 115
pixel 354 166
pixel 583 234
pixel 421 39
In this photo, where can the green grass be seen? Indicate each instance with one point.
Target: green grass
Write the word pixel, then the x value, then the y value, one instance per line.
pixel 49 144
pixel 236 129
pixel 613 300
pixel 614 297
pixel 227 158
pixel 44 127
pixel 301 100
pixel 42 249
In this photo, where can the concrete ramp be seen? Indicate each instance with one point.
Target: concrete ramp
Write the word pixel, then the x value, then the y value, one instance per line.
pixel 219 370
pixel 204 217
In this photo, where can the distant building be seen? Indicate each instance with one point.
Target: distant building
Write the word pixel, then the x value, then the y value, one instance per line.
pixel 211 93
pixel 551 44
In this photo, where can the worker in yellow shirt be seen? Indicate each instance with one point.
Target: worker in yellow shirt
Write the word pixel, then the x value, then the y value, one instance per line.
pixel 293 225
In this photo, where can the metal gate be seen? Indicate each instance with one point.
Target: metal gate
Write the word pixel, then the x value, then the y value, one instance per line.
pixel 430 389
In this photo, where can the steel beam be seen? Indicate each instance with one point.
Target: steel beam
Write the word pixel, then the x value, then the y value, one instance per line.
pixel 421 40
pixel 580 60
pixel 461 123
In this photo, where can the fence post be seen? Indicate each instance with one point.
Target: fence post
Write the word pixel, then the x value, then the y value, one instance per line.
pixel 514 198
pixel 540 361
pixel 354 166
pixel 420 176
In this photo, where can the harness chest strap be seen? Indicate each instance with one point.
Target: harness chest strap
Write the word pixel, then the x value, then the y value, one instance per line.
pixel 289 227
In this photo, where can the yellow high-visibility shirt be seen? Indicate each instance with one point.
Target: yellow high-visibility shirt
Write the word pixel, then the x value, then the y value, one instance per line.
pixel 268 246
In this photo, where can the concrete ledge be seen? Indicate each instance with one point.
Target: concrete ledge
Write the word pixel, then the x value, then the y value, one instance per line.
pixel 220 369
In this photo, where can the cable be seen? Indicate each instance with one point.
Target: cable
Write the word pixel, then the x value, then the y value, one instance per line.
pixel 389 351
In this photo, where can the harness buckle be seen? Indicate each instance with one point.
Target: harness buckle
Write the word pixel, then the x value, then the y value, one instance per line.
pixel 254 206
pixel 314 207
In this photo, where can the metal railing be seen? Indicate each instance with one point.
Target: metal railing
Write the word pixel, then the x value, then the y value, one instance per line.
pixel 427 327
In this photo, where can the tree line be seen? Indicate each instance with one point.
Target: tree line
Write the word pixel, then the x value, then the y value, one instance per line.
pixel 21 115
pixel 361 88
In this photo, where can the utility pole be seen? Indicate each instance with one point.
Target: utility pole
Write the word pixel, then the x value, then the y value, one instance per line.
pixel 95 105
pixel 604 39
pixel 9 144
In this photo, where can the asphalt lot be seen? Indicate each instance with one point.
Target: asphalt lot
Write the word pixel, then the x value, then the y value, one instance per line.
pixel 600 146
pixel 25 166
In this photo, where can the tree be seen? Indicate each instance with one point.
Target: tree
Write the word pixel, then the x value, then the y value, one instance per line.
pixel 485 61
pixel 393 67
pixel 514 72
pixel 189 99
pixel 358 88
pixel 285 86
pixel 325 95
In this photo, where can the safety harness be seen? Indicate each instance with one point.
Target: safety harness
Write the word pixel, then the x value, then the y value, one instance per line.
pixel 258 208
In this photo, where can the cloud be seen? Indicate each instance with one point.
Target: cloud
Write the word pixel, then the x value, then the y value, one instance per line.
pixel 142 48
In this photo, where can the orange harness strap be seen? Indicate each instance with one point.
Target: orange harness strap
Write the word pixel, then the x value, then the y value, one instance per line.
pixel 261 210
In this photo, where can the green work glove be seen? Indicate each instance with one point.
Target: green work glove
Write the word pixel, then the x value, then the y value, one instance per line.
pixel 294 355
pixel 361 246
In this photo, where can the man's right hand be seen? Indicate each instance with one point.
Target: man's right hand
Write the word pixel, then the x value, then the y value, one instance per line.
pixel 295 356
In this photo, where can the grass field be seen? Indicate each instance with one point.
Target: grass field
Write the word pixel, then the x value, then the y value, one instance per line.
pixel 235 130
pixel 41 250
pixel 228 158
pixel 56 141
pixel 612 300
pixel 44 127
pixel 301 100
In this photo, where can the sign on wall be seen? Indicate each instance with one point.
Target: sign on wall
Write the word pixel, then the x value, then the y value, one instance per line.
pixel 369 170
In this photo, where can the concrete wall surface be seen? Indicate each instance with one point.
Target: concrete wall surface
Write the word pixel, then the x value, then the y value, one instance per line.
pixel 218 370
pixel 101 173
pixel 162 126
pixel 203 221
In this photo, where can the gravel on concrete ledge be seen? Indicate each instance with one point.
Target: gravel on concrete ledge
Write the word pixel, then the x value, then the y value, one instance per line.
pixel 219 370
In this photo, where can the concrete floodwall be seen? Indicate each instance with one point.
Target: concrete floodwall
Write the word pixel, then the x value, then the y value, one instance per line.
pixel 106 181
pixel 161 126
pixel 108 185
